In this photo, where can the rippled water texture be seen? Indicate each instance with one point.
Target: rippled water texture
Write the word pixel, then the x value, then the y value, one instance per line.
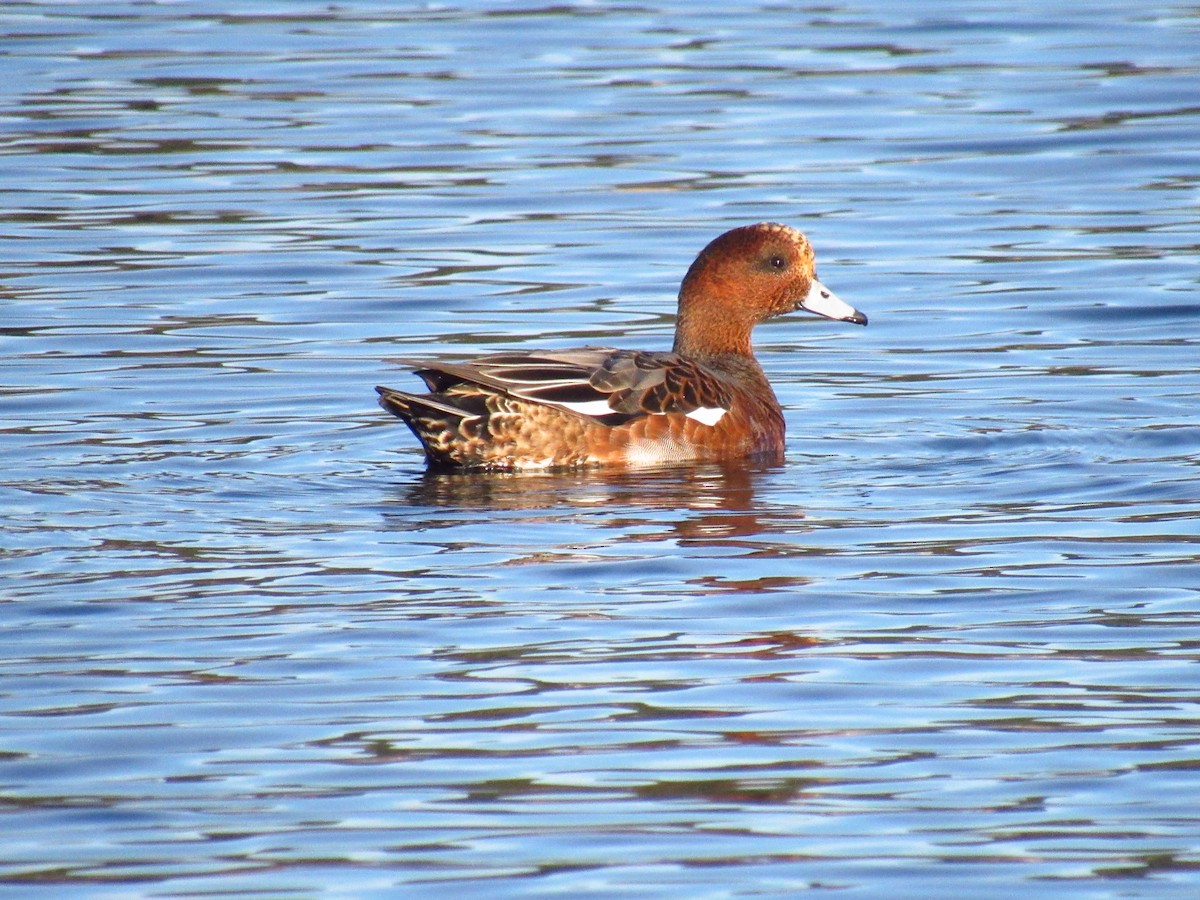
pixel 949 649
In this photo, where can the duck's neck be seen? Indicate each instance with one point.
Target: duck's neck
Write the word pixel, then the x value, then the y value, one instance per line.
pixel 706 331
pixel 736 362
pixel 745 369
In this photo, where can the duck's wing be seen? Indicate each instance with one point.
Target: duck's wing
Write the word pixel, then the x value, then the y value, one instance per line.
pixel 605 384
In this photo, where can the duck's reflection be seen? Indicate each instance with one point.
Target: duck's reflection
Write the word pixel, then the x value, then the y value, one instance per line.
pixel 696 503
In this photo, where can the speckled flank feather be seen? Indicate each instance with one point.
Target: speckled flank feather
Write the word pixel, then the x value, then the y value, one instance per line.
pixel 488 429
pixel 708 400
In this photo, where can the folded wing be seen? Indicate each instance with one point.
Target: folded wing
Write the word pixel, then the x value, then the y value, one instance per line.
pixel 609 385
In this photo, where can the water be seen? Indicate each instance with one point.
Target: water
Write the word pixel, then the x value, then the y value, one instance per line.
pixel 949 647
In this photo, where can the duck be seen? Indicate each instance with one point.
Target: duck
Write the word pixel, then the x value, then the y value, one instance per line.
pixel 707 400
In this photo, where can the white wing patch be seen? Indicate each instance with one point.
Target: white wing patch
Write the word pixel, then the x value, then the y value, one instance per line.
pixel 707 415
pixel 589 407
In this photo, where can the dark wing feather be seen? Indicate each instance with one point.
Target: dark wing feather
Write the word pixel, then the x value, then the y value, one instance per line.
pixel 659 383
pixel 611 385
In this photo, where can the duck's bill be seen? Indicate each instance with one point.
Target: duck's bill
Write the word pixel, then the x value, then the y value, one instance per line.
pixel 824 302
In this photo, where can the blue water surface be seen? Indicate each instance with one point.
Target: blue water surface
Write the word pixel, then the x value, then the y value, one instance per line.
pixel 948 649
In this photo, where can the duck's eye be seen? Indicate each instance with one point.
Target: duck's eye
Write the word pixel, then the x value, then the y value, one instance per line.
pixel 777 262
